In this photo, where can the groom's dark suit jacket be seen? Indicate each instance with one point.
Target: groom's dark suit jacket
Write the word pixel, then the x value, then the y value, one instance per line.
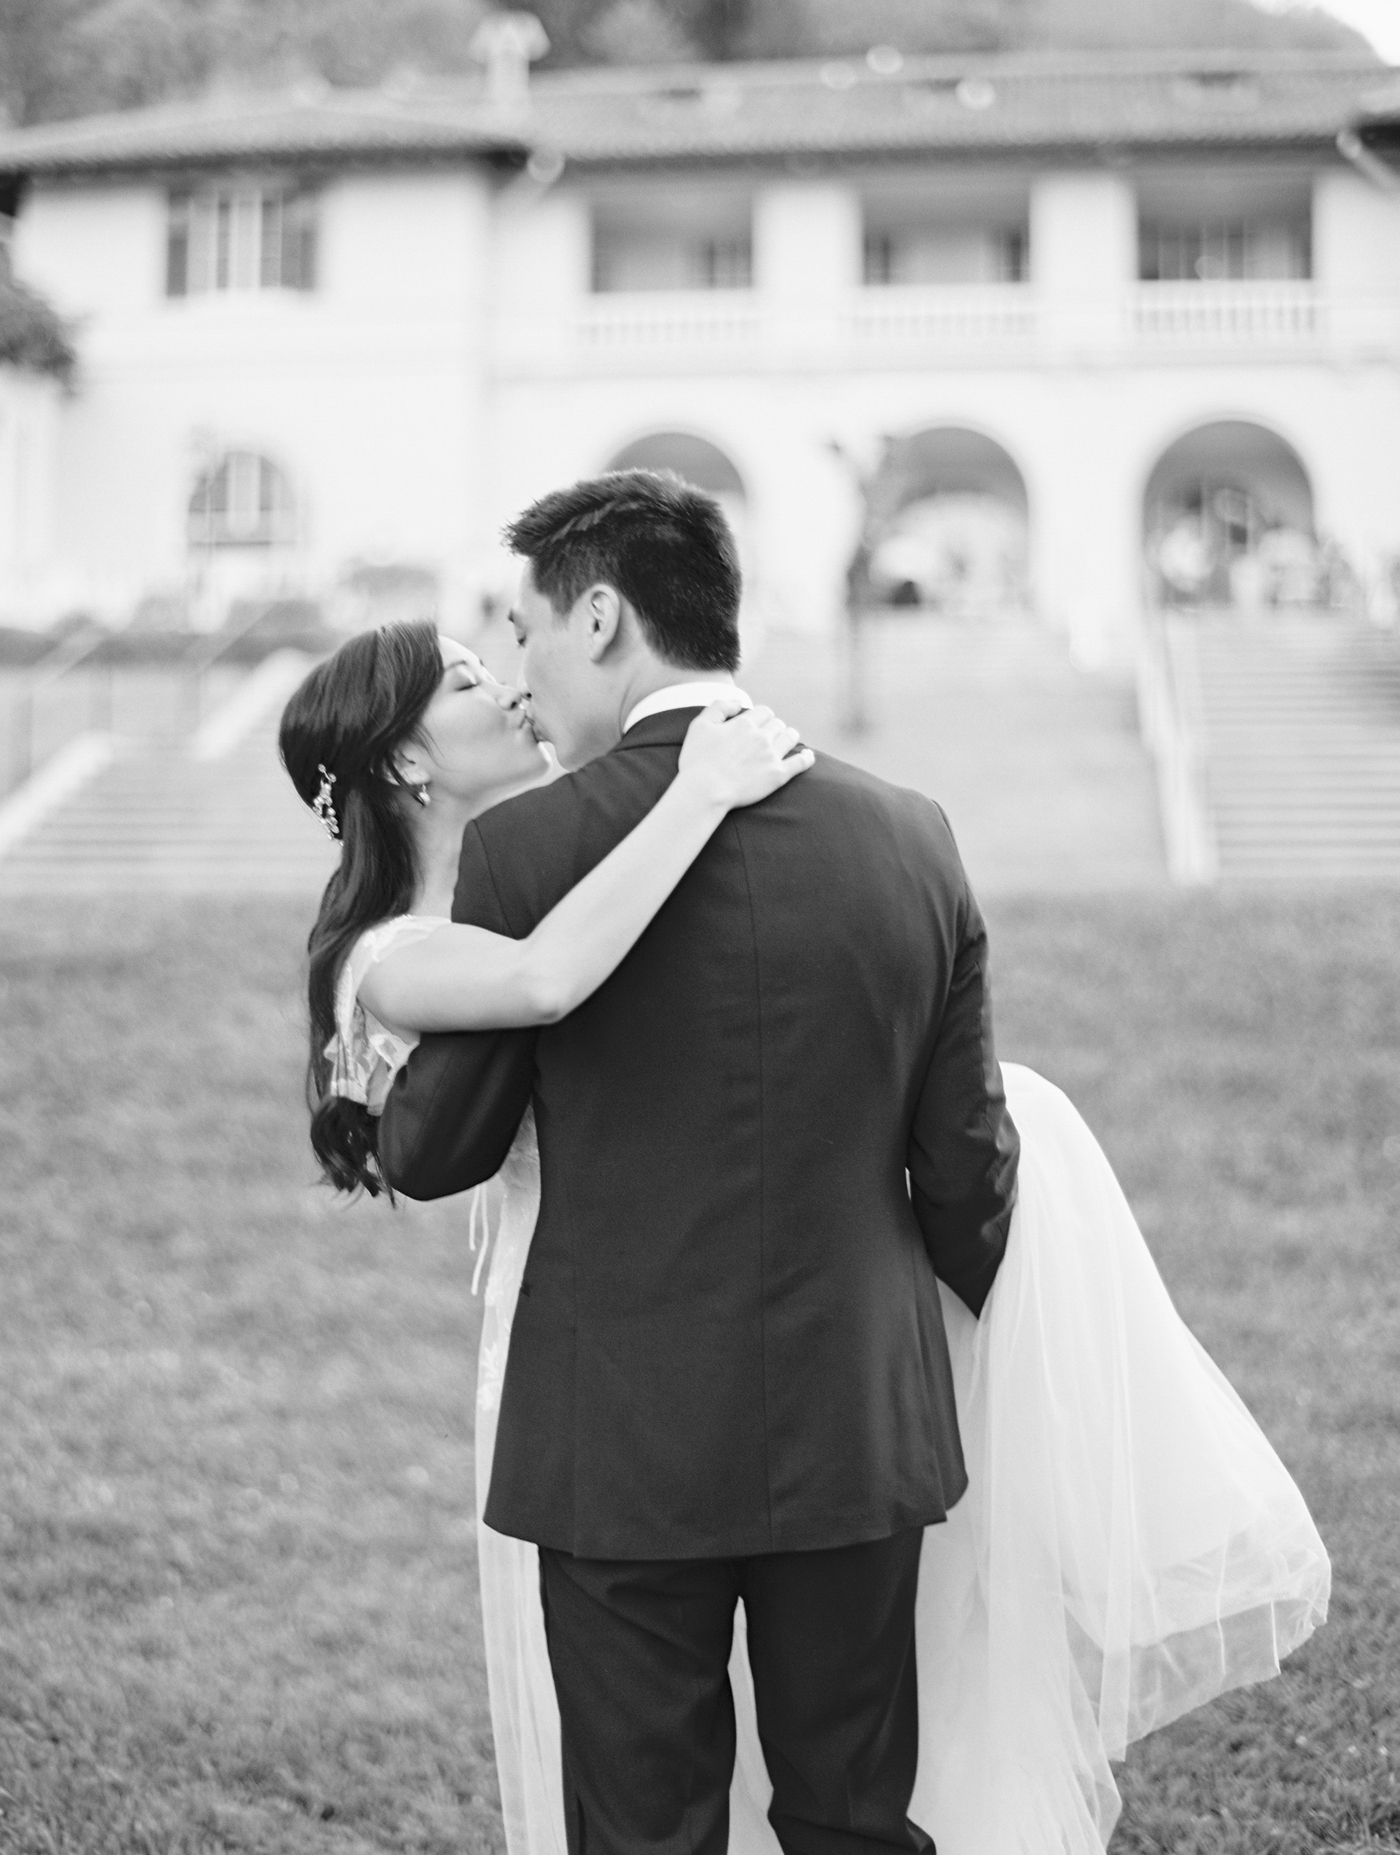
pixel 729 1339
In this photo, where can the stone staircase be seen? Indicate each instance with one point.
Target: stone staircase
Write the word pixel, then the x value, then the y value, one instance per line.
pixel 1298 719
pixel 160 821
pixel 1040 766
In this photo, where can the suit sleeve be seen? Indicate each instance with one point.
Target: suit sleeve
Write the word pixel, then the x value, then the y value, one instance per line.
pixel 454 1107
pixel 963 1147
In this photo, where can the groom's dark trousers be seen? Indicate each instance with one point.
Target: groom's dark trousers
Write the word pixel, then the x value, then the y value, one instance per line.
pixel 761 1141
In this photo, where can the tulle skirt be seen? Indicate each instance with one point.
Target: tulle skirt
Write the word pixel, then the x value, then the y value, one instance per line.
pixel 1129 1545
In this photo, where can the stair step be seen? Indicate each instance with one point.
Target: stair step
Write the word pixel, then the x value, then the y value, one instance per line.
pixel 145 853
pixel 1300 844
pixel 1301 785
pixel 1314 831
pixel 1310 798
pixel 1364 770
pixel 1311 870
pixel 159 821
pixel 1299 738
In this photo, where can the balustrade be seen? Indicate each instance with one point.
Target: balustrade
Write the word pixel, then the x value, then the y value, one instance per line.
pixel 873 326
pixel 942 316
pixel 1233 314
pixel 667 321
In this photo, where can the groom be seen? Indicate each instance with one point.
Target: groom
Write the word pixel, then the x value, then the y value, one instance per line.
pixel 760 1141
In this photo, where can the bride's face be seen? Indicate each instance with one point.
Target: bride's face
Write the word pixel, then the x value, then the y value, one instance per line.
pixel 475 738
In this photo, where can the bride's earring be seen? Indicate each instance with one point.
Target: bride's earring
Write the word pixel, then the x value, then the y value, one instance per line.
pixel 421 793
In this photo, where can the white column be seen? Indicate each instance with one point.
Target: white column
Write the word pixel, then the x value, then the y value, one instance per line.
pixel 1083 261
pixel 30 409
pixel 1356 260
pixel 96 250
pixel 395 462
pixel 542 265
pixel 1086 530
pixel 807 261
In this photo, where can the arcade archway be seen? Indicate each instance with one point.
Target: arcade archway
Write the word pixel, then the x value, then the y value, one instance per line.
pixel 690 456
pixel 709 468
pixel 947 524
pixel 1228 521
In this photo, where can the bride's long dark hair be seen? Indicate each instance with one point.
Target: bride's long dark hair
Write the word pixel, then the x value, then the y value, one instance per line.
pixel 349 717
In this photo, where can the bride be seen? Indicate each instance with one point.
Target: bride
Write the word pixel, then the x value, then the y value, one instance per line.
pixel 1129 1545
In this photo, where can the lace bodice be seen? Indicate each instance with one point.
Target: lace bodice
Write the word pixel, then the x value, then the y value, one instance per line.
pixel 365 1053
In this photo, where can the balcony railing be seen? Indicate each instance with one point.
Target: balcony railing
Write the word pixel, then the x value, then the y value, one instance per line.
pixel 1207 314
pixel 665 321
pixel 883 325
pixel 943 316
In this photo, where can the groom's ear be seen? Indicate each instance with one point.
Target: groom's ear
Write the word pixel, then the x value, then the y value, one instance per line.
pixel 603 618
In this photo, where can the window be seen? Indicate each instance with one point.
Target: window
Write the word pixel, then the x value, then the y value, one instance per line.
pixel 723 264
pixel 932 254
pixel 647 260
pixel 240 238
pixel 242 501
pixel 650 236
pixel 1224 250
pixel 881 259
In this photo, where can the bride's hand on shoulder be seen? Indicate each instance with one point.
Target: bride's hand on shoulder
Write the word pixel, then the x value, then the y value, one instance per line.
pixel 737 756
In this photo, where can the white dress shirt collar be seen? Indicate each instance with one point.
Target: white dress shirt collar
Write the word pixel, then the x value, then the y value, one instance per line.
pixel 683 696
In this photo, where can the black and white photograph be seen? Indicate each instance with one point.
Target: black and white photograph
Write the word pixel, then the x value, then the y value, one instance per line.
pixel 700 927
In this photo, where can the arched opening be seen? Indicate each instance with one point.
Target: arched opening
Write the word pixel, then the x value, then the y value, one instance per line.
pixel 241 528
pixel 691 457
pixel 947 525
pixel 242 500
pixel 699 462
pixel 1228 521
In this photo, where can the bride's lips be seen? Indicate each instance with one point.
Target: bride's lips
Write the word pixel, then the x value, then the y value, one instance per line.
pixel 513 706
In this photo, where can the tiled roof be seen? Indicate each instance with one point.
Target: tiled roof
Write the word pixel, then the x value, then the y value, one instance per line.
pixel 616 117
pixel 954 106
pixel 314 124
pixel 1382 108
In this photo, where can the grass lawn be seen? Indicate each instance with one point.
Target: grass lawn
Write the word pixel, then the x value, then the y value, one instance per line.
pixel 237 1572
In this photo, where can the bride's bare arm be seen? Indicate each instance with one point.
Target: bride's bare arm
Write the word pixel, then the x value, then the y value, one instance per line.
pixel 467 979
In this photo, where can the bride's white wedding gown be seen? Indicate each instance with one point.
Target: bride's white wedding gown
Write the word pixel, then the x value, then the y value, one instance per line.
pixel 1129 1545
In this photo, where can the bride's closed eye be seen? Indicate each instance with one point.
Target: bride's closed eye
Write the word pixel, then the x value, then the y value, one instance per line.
pixel 465 674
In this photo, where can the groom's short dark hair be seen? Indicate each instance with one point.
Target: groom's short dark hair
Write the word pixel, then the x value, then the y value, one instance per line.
pixel 664 545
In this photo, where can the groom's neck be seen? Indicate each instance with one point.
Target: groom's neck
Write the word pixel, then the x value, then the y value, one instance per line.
pixel 609 710
pixel 654 674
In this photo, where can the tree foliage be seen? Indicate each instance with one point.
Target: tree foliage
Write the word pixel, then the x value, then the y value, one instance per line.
pixel 781 28
pixel 33 336
pixel 631 31
pixel 73 57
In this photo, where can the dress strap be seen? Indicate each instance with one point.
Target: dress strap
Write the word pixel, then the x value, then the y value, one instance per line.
pixel 374 945
pixel 364 1053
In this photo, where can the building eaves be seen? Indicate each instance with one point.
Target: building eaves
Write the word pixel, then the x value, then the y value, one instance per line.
pixel 988 106
pixel 330 127
pixel 969 106
pixel 1382 106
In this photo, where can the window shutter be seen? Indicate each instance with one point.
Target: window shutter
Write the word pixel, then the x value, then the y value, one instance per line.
pixel 299 241
pixel 271 269
pixel 177 246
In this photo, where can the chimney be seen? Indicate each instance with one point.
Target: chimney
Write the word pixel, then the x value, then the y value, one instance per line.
pixel 507 44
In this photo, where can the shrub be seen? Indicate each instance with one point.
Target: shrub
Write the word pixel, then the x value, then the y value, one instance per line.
pixel 33 335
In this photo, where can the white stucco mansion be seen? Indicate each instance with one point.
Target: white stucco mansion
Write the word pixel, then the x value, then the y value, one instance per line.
pixel 1091 323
